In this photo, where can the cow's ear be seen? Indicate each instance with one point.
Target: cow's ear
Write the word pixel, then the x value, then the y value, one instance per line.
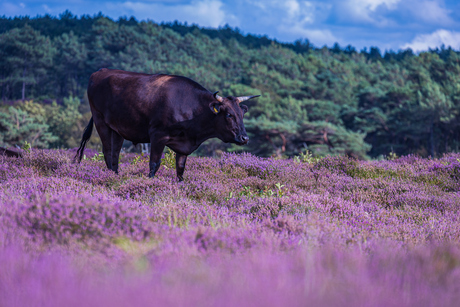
pixel 244 108
pixel 215 107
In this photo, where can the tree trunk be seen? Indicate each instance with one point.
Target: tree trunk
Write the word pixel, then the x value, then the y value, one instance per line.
pixel 283 147
pixel 24 85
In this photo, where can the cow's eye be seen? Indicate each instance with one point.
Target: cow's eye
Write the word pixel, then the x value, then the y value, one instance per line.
pixel 228 115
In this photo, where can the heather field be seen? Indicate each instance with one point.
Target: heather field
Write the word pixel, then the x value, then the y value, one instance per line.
pixel 239 231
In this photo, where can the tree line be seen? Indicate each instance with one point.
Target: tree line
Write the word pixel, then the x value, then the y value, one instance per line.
pixel 326 100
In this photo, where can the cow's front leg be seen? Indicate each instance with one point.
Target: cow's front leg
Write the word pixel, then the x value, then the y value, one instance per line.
pixel 156 151
pixel 180 165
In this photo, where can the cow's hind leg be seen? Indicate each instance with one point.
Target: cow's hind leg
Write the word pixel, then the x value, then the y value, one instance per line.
pixel 117 143
pixel 105 133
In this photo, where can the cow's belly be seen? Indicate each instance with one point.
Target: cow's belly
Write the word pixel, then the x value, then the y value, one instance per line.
pixel 135 137
pixel 182 145
pixel 131 131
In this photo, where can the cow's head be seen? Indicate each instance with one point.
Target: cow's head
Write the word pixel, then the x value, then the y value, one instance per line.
pixel 229 118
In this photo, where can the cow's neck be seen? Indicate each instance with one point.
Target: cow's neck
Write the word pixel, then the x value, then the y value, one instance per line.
pixel 192 136
pixel 206 129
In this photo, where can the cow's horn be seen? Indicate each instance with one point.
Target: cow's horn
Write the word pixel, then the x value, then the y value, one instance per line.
pixel 244 98
pixel 217 97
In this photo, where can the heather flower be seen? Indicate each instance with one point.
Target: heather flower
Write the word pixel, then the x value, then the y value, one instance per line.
pixel 239 230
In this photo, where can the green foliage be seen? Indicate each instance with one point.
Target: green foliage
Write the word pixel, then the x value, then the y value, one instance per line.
pixel 169 159
pixel 26 147
pixel 392 156
pixel 306 157
pixel 140 158
pixel 98 157
pixel 70 58
pixel 19 126
pixel 63 121
pixel 25 56
pixel 43 125
pixel 278 190
pixel 329 101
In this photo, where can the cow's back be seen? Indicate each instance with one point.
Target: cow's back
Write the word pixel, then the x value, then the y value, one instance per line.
pixel 117 88
pixel 131 103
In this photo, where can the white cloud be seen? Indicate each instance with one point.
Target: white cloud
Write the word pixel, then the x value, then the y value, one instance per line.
pixel 315 36
pixel 206 13
pixel 366 6
pixel 46 8
pixel 296 19
pixel 436 39
pixel 393 13
pixel 431 12
pixel 298 12
pixel 364 10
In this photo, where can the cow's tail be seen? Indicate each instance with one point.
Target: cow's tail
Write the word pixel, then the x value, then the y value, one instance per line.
pixel 86 136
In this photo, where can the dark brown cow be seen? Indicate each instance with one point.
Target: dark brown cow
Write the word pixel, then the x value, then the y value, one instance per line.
pixel 163 110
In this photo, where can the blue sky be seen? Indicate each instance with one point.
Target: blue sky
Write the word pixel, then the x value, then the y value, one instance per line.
pixel 387 24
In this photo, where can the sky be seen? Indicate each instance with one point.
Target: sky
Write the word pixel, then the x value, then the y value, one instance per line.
pixel 386 24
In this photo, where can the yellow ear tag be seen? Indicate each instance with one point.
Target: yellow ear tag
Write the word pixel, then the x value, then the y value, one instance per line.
pixel 215 110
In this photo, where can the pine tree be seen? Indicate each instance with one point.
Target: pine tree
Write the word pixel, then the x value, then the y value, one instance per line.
pixel 27 54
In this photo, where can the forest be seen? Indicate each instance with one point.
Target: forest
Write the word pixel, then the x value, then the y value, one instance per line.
pixel 329 101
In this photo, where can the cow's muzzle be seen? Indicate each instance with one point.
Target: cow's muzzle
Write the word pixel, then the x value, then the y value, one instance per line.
pixel 242 139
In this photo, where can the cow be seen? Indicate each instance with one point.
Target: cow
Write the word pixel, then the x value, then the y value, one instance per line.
pixel 163 110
